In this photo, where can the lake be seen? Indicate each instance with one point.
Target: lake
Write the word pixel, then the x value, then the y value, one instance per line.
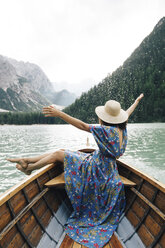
pixel 145 149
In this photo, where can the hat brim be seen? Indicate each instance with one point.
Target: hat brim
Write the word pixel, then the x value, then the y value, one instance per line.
pixel 104 116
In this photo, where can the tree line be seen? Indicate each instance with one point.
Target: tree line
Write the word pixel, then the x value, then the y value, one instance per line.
pixel 25 118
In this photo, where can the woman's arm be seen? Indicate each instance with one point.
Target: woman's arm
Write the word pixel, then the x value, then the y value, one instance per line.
pixel 53 112
pixel 134 105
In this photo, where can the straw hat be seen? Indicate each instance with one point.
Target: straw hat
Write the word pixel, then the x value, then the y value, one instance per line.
pixel 111 112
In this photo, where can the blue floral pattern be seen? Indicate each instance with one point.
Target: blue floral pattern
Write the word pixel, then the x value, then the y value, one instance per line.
pixel 95 188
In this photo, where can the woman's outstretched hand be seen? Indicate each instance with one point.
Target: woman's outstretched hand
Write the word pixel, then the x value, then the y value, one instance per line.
pixel 138 99
pixel 50 111
pixel 131 109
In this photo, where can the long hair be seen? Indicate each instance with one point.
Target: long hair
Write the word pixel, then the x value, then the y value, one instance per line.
pixel 122 126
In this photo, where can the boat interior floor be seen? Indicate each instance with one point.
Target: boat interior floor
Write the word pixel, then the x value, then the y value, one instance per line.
pixel 70 243
pixel 55 236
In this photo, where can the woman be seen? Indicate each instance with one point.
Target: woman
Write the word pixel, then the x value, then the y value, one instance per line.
pixel 92 180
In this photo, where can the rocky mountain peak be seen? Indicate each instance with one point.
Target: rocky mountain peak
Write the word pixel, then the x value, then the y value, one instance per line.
pixel 8 74
pixel 33 73
pixel 25 87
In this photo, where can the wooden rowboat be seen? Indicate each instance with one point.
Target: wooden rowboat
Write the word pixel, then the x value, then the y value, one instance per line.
pixel 33 214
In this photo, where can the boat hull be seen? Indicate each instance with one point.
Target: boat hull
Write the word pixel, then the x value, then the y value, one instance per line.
pixel 32 215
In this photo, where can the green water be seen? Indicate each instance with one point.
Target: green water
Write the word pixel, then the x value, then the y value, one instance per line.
pixel 145 149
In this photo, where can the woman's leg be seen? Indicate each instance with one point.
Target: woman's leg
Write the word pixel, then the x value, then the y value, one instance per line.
pixel 57 156
pixel 25 161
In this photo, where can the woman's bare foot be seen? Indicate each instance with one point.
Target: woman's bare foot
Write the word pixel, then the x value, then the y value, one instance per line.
pixel 19 167
pixel 19 161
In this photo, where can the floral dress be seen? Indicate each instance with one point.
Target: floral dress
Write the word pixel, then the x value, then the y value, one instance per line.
pixel 95 189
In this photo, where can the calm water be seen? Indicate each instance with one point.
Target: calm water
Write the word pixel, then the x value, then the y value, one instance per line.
pixel 145 150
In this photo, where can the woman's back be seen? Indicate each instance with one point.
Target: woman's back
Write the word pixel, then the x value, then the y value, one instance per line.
pixel 95 188
pixel 111 140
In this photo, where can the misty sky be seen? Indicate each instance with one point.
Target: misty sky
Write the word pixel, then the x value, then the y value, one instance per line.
pixel 76 41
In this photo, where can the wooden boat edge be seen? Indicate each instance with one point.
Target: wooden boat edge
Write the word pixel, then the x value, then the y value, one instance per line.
pixel 17 187
pixel 41 176
pixel 153 181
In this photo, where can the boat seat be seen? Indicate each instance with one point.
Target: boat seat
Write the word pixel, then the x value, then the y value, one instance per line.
pixel 60 181
pixel 127 182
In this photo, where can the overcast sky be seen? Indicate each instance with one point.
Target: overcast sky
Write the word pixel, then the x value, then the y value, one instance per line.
pixel 76 41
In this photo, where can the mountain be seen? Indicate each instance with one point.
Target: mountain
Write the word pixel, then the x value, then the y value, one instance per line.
pixel 34 75
pixel 63 97
pixel 42 84
pixel 16 91
pixel 143 71
pixel 25 87
pixel 77 88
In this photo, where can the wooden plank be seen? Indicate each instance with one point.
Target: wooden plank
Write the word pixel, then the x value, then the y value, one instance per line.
pixel 18 202
pixel 157 246
pixel 46 218
pixel 35 235
pixel 61 194
pixel 17 241
pixel 145 235
pixel 149 203
pixel 134 177
pixel 16 188
pixel 56 170
pixel 138 209
pixel 147 190
pixel 129 196
pixel 133 218
pixel 156 217
pixel 114 242
pixel 160 201
pixel 127 182
pixel 5 216
pixel 152 226
pixel 87 150
pixel 38 218
pixel 52 200
pixel 123 171
pixel 107 245
pixel 60 181
pixel 8 237
pixel 154 182
pixel 43 179
pixel 110 246
pixel 25 218
pixel 142 203
pixel 67 242
pixel 29 225
pixel 31 190
pixel 25 246
pixel 76 245
pixel 57 181
pixel 162 241
pixel 40 208
pixel 23 211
